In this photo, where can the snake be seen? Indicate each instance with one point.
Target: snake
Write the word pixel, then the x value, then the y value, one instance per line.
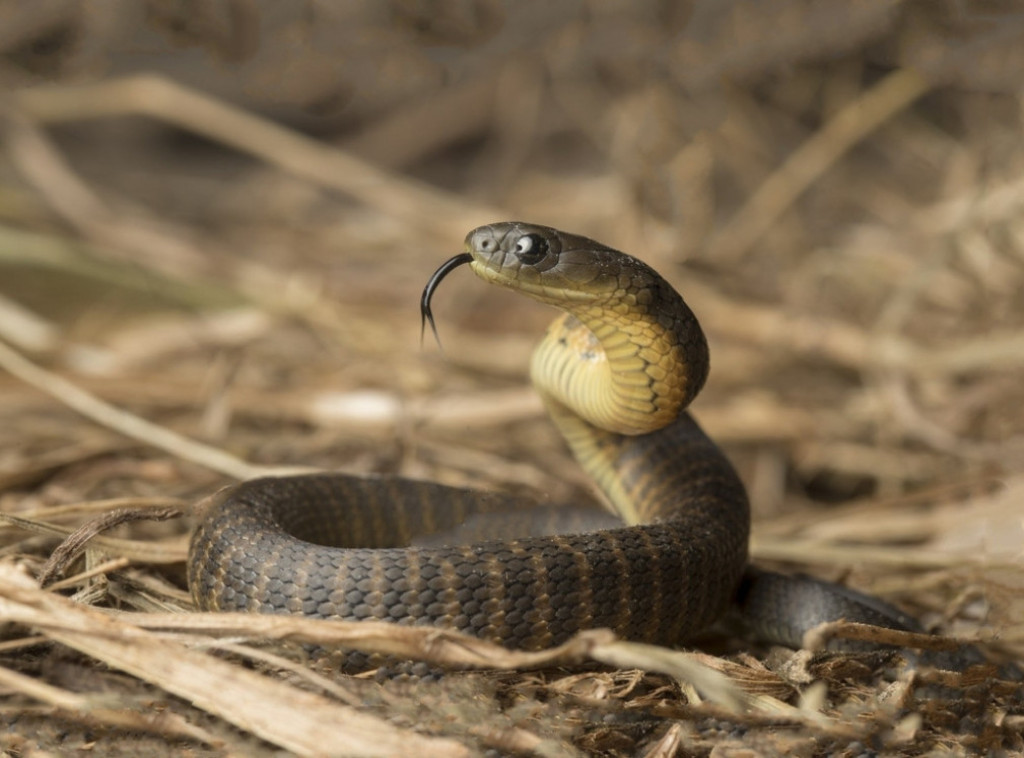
pixel 616 371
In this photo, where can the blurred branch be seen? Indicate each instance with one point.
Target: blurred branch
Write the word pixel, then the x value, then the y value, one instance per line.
pixel 812 159
pixel 443 117
pixel 164 100
pixel 127 230
pixel 24 328
pixel 19 247
pixel 851 346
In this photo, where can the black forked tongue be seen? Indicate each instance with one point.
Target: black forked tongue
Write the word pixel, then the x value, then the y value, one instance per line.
pixel 428 292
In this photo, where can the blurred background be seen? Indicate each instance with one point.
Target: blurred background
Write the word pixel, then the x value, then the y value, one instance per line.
pixel 219 216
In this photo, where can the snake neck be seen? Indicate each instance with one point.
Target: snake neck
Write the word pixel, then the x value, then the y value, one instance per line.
pixel 628 356
pixel 619 366
pixel 610 375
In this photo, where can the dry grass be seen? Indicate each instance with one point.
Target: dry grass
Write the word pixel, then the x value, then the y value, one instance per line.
pixel 210 269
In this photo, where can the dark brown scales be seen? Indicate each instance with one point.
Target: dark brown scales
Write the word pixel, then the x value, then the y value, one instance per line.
pixel 661 582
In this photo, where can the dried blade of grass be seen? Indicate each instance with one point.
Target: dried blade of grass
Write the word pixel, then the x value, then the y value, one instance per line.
pixel 751 675
pixel 439 646
pixel 144 590
pixel 758 416
pixel 812 159
pixel 685 667
pixel 514 740
pixel 94 507
pixel 78 541
pixel 114 564
pixel 129 424
pixel 453 649
pixel 974 676
pixel 296 720
pixel 146 551
pixel 818 637
pixel 670 744
pixel 765 710
pixel 24 328
pixel 165 100
pixel 449 648
pixel 22 642
pixel 153 583
pixel 809 717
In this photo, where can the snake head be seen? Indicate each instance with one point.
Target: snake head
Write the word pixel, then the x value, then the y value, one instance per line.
pixel 513 244
pixel 628 355
pixel 544 263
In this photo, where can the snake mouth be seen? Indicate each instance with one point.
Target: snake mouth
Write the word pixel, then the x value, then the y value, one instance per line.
pixel 426 315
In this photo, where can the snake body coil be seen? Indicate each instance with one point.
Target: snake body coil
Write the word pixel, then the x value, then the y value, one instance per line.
pixel 616 372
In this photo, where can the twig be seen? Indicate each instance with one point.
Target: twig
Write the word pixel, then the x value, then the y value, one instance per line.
pixel 147 551
pixel 77 542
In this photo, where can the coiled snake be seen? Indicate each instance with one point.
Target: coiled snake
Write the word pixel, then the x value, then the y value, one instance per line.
pixel 616 372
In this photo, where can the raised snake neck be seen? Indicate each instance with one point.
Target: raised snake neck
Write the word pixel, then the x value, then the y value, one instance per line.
pixel 616 372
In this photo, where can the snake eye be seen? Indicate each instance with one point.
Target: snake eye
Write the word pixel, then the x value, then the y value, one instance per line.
pixel 531 248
